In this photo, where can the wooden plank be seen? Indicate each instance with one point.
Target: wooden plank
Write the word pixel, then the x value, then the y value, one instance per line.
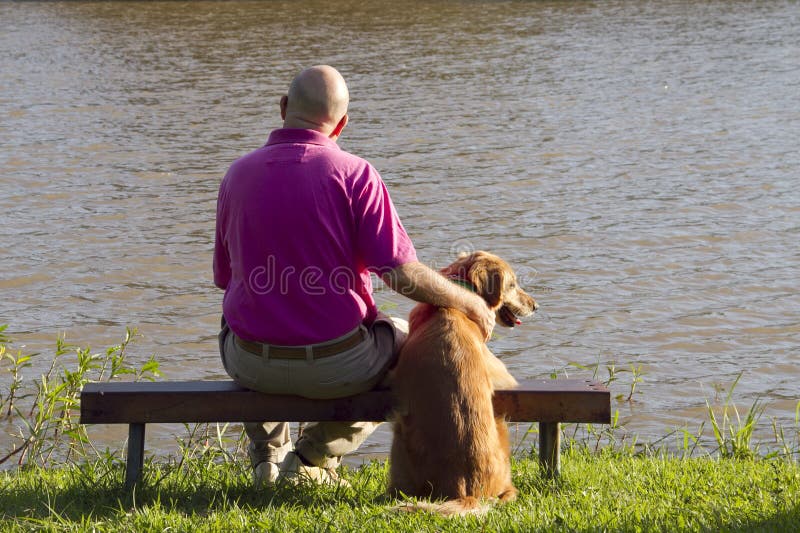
pixel 218 401
pixel 561 400
pixel 556 400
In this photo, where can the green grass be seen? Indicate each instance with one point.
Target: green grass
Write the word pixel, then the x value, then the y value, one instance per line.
pixel 609 491
pixel 717 479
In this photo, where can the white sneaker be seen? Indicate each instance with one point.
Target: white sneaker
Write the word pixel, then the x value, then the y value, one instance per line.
pixel 294 471
pixel 265 473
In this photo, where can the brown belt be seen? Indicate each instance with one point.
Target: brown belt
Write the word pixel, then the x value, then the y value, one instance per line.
pixel 318 351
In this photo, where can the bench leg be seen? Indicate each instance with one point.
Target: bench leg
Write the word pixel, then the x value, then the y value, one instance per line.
pixel 550 448
pixel 133 470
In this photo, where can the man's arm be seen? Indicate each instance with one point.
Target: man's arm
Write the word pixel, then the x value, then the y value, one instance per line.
pixel 423 284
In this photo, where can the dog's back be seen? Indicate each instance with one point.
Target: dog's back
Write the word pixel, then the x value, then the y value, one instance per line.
pixel 447 443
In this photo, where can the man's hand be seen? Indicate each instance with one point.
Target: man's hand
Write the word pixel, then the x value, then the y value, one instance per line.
pixel 423 284
pixel 482 315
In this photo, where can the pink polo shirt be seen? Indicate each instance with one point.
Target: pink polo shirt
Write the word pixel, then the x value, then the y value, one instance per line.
pixel 300 224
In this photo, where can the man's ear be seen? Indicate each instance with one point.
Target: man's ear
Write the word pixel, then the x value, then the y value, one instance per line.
pixel 339 127
pixel 284 103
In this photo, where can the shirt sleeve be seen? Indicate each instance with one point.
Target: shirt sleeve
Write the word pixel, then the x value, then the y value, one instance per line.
pixel 222 262
pixel 382 241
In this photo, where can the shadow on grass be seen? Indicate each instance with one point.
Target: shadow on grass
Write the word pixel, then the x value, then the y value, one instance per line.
pixel 75 493
pixel 780 522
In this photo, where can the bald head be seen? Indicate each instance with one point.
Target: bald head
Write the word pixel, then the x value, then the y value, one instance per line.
pixel 317 100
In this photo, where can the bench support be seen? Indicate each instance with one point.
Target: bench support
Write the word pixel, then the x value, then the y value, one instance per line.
pixel 549 451
pixel 550 402
pixel 550 448
pixel 135 455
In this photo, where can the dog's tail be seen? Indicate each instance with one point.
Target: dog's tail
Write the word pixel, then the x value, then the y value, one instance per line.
pixel 467 505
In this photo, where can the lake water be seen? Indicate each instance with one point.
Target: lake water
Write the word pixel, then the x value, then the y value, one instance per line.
pixel 637 162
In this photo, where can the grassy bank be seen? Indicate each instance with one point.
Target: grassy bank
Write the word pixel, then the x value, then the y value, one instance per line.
pixel 718 479
pixel 609 491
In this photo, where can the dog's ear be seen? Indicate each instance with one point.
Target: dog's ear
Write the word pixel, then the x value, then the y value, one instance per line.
pixel 484 271
pixel 488 278
pixel 459 269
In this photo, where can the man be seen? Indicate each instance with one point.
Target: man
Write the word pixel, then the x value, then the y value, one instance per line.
pixel 300 225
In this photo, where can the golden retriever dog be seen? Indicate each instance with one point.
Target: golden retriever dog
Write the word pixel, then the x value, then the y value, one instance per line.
pixel 448 444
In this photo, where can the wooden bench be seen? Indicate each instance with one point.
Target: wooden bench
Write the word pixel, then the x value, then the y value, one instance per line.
pixel 548 402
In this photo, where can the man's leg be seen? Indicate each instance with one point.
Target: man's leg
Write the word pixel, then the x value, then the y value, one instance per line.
pixel 269 444
pixel 269 441
pixel 324 443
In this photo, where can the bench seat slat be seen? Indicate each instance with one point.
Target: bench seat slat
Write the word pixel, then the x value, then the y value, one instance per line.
pixel 561 400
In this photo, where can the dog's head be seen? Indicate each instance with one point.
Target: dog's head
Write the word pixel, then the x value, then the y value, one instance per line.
pixel 494 280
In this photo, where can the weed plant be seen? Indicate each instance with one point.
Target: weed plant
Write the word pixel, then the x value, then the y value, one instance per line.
pixel 46 414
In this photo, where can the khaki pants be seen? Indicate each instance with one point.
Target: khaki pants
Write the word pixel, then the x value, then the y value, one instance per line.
pixel 355 370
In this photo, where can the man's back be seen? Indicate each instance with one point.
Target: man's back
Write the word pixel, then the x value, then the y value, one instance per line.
pixel 301 221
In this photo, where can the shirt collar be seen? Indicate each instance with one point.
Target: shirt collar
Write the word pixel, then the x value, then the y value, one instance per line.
pixel 293 135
